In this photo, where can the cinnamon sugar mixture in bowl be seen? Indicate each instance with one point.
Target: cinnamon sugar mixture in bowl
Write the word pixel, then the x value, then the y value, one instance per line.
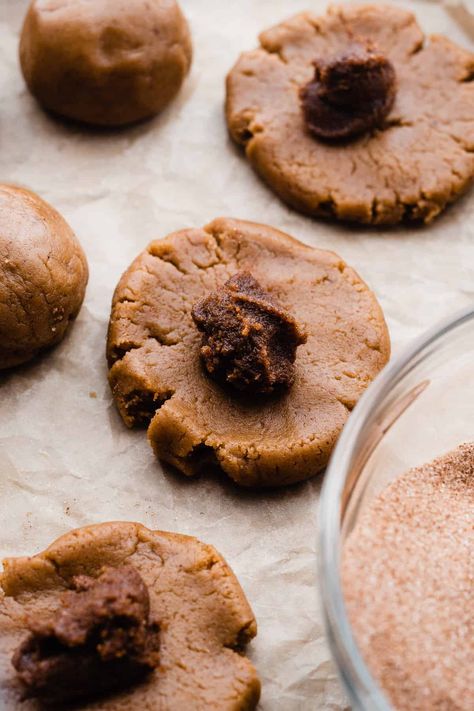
pixel 397 549
pixel 408 580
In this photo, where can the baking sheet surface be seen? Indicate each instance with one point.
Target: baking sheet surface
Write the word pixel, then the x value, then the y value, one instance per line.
pixel 66 460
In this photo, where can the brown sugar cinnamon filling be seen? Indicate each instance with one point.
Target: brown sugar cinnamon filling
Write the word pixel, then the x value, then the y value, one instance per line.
pixel 249 340
pixel 101 639
pixel 351 93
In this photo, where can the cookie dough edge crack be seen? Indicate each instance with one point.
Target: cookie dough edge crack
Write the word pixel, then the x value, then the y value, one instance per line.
pixel 177 266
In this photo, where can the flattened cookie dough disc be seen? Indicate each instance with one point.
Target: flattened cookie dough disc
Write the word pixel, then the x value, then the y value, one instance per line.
pixel 410 170
pixel 105 62
pixel 195 598
pixel 155 369
pixel 43 276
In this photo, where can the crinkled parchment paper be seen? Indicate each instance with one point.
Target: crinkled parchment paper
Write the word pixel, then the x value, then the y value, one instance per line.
pixel 66 460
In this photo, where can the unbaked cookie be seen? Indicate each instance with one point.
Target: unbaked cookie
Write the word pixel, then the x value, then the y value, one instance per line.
pixel 419 159
pixel 155 353
pixel 105 62
pixel 43 276
pixel 196 606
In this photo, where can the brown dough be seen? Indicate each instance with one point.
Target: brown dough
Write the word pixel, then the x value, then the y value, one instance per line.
pixel 43 275
pixel 202 612
pixel 154 353
pixel 421 161
pixel 105 62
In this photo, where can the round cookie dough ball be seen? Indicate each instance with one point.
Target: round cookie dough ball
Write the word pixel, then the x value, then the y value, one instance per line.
pixel 155 351
pixel 43 275
pixel 105 62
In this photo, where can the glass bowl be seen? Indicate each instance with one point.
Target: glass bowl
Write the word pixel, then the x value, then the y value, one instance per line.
pixel 420 406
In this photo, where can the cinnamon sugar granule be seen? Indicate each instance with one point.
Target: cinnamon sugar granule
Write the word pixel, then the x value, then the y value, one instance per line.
pixel 408 579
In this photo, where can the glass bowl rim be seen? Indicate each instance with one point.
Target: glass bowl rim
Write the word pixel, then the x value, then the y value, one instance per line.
pixel 361 688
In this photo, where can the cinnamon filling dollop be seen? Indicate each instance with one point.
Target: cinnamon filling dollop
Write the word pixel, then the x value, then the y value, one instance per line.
pixel 351 93
pixel 100 639
pixel 249 340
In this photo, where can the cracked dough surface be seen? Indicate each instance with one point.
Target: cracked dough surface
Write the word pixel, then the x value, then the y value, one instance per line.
pixel 421 161
pixel 194 595
pixel 156 373
pixel 43 275
pixel 105 62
